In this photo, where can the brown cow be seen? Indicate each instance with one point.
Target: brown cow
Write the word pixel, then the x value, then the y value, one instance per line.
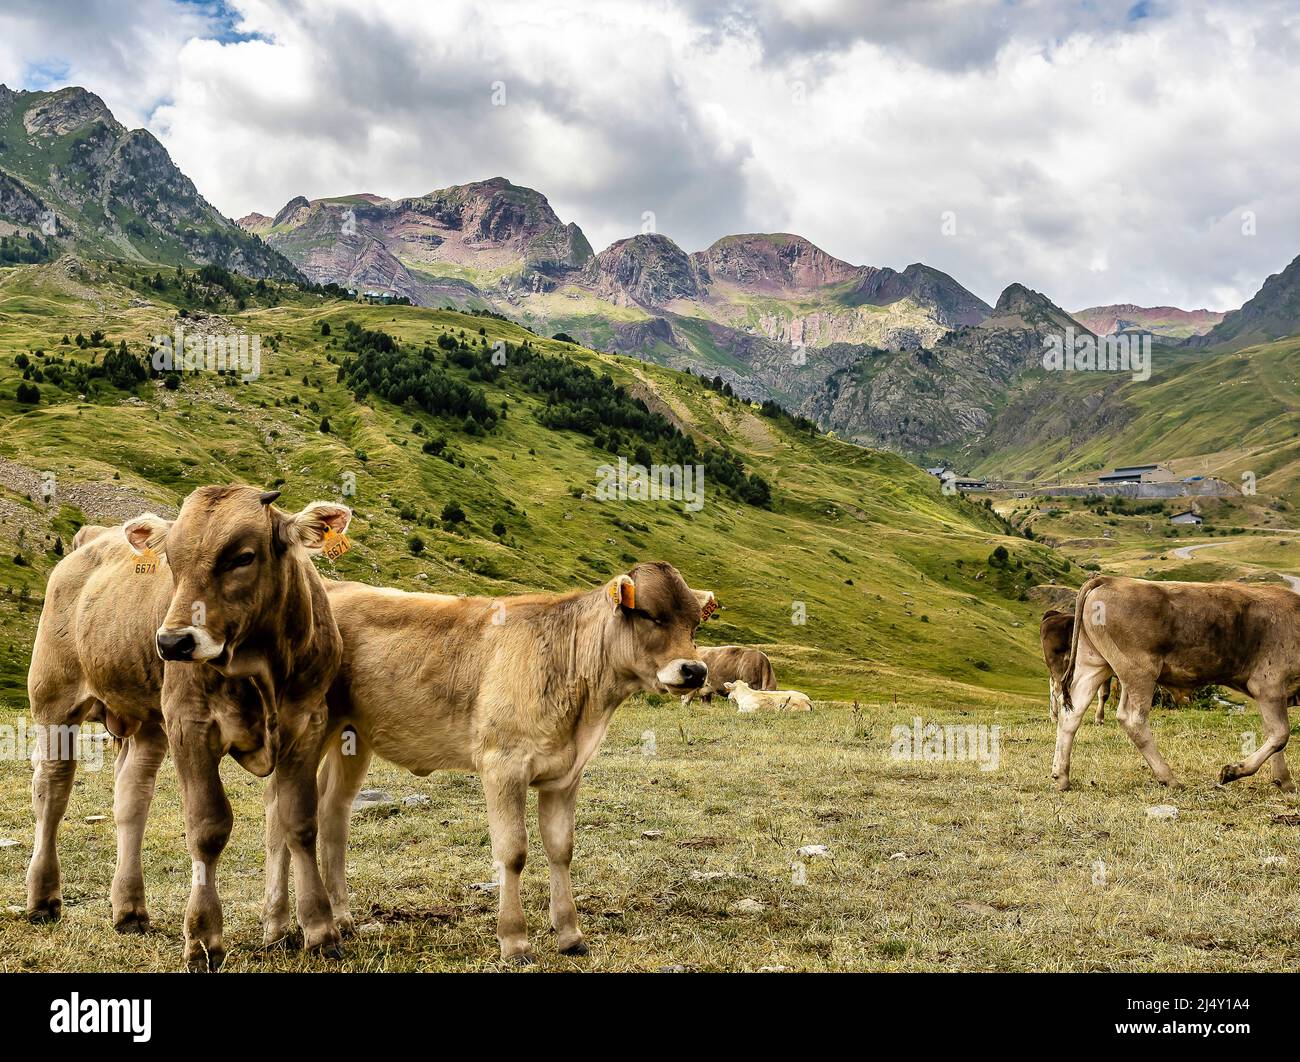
pixel 1183 635
pixel 1054 632
pixel 517 689
pixel 727 663
pixel 229 597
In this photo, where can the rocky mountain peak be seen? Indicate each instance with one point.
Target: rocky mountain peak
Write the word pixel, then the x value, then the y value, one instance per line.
pixel 771 262
pixel 648 268
pixel 58 113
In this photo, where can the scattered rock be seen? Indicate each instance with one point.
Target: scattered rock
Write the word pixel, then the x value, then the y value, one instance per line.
pixel 370 929
pixel 900 855
pixel 485 886
pixel 374 802
pixel 1286 819
pixel 675 968
pixel 774 969
pixel 96 818
pixel 1162 811
pixel 748 906
pixel 651 835
pixel 814 851
pixel 417 800
pixel 1274 861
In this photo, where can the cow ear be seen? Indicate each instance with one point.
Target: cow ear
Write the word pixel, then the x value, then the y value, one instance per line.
pixel 708 603
pixel 728 686
pixel 309 528
pixel 146 532
pixel 622 592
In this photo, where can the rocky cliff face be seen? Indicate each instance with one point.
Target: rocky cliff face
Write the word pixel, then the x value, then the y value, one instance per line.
pixel 649 270
pixel 488 236
pixel 110 189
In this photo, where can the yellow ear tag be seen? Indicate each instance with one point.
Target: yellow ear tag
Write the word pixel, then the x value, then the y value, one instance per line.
pixel 710 607
pixel 616 593
pixel 146 562
pixel 335 545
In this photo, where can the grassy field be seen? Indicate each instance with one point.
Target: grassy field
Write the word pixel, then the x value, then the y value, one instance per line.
pixel 909 611
pixel 932 865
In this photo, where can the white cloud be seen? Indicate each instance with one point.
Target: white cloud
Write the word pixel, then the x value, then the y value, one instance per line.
pixel 1098 156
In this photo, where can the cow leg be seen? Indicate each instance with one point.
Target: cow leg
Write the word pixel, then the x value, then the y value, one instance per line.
pixel 555 810
pixel 1277 729
pixel 1086 680
pixel 1134 704
pixel 197 749
pixel 52 777
pixel 1103 695
pixel 277 927
pixel 341 778
pixel 1281 773
pixel 295 796
pixel 506 791
pixel 133 787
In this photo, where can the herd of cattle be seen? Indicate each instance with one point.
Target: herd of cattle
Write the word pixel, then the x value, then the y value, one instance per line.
pixel 214 634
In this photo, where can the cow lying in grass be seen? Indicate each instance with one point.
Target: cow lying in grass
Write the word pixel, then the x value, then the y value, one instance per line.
pixel 1183 636
pixel 518 689
pixel 748 699
pixel 210 635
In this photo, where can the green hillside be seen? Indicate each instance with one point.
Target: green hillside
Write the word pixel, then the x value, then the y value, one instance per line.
pixel 896 580
pixel 1221 415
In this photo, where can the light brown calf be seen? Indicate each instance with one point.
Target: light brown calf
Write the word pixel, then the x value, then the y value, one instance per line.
pixel 1183 636
pixel 727 663
pixel 229 596
pixel 518 689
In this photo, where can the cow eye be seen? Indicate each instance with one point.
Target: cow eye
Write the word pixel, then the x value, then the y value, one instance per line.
pixel 241 560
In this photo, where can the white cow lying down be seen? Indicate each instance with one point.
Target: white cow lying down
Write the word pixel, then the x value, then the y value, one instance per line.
pixel 749 699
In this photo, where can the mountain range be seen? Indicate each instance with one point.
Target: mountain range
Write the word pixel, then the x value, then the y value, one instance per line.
pixel 905 359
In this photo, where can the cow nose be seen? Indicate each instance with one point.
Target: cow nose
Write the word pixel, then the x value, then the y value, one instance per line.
pixel 175 646
pixel 694 672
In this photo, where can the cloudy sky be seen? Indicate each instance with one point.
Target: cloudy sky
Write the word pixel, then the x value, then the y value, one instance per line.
pixel 1097 151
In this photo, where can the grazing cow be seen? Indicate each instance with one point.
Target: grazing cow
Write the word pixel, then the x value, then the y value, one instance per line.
pixel 209 635
pixel 1054 632
pixel 752 700
pixel 728 663
pixel 518 689
pixel 1182 636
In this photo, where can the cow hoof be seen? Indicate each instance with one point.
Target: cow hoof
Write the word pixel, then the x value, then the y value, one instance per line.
pixel 45 912
pixel 1062 784
pixel 132 922
pixel 333 952
pixel 578 947
pixel 208 962
pixel 1287 787
pixel 283 940
pixel 346 925
pixel 523 958
pixel 1228 774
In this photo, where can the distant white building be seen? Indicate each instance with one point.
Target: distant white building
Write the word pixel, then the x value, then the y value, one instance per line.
pixel 1186 517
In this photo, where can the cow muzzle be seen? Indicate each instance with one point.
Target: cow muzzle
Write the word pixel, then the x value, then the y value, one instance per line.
pixel 684 674
pixel 188 643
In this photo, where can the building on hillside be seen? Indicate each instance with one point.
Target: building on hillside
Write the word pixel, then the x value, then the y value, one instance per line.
pixel 1136 474
pixel 1186 517
pixel 960 483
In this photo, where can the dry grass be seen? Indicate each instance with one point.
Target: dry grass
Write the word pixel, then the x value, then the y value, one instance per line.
pixel 935 866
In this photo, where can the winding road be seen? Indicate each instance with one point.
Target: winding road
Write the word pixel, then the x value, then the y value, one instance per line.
pixel 1185 553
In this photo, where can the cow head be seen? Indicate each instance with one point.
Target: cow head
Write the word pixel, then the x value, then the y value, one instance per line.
pixel 234 560
pixel 654 615
pixel 732 688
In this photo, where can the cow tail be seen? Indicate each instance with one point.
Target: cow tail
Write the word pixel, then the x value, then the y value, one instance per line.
pixel 1075 633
